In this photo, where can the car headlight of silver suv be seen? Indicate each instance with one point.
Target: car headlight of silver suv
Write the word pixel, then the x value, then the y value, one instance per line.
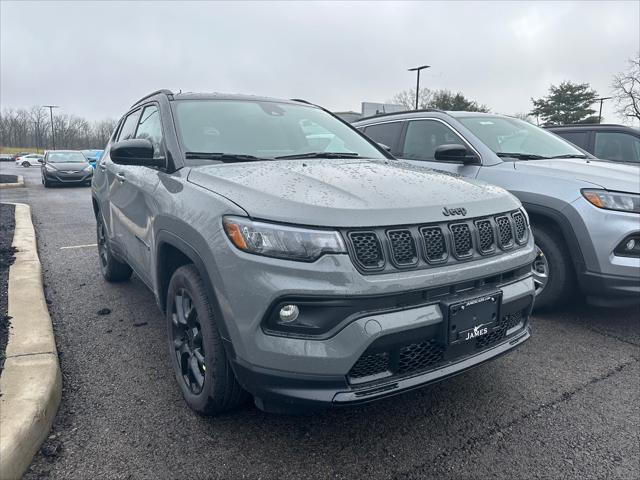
pixel 620 201
pixel 282 241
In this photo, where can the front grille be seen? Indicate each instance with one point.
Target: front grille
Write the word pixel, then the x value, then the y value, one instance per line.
pixel 520 227
pixel 403 247
pixel 369 365
pixel 462 243
pixel 434 244
pixel 505 234
pixel 388 358
pixel 386 249
pixel 486 237
pixel 419 356
pixel 367 249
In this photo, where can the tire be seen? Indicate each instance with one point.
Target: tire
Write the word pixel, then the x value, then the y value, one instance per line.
pixel 552 253
pixel 112 269
pixel 197 354
pixel 26 164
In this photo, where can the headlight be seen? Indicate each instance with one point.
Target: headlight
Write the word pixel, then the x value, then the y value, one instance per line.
pixel 624 202
pixel 50 167
pixel 88 169
pixel 282 241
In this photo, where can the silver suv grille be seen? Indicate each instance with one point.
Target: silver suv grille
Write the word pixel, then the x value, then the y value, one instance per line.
pixel 383 249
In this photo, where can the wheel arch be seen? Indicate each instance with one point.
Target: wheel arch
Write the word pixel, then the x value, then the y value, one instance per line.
pixel 172 252
pixel 540 215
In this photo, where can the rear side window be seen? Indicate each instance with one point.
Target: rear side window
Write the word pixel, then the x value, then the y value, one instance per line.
pixel 385 133
pixel 617 146
pixel 151 129
pixel 424 136
pixel 579 139
pixel 129 126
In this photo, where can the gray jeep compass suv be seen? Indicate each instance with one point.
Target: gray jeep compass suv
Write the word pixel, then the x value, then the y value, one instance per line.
pixel 296 260
pixel 585 213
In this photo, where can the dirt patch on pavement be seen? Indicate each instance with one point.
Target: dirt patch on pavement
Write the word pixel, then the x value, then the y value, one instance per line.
pixel 8 179
pixel 7 226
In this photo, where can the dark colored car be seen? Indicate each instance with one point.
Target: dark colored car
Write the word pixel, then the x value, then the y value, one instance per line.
pixel 617 143
pixel 66 167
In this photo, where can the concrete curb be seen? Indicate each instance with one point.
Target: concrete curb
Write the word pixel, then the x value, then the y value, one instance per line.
pixel 31 382
pixel 18 184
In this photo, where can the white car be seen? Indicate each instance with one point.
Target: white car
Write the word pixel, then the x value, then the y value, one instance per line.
pixel 33 159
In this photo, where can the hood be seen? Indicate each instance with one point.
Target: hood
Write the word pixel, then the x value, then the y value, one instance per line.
pixel 70 167
pixel 608 175
pixel 349 193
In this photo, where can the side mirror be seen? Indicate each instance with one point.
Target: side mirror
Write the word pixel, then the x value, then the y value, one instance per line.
pixel 41 160
pixel 386 147
pixel 457 154
pixel 135 151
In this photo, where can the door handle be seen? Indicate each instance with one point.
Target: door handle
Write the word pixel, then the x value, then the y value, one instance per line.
pixel 120 177
pixel 102 167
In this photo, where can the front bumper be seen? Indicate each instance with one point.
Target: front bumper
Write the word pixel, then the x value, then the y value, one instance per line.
pixel 59 176
pixel 280 392
pixel 605 278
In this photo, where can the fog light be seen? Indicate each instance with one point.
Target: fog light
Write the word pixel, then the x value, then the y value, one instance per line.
pixel 630 245
pixel 289 313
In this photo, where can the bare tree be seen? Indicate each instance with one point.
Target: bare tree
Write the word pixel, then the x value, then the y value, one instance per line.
pixel 526 117
pixel 32 129
pixel 626 90
pixel 407 98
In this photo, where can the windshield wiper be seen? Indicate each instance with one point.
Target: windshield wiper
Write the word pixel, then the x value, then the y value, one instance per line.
pixel 223 157
pixel 569 155
pixel 521 156
pixel 320 155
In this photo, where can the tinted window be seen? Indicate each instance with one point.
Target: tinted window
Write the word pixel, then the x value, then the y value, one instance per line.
pixel 577 138
pixel 424 136
pixel 385 133
pixel 151 129
pixel 129 126
pixel 617 146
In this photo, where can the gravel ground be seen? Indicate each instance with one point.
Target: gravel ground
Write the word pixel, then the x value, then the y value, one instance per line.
pixel 564 405
pixel 7 226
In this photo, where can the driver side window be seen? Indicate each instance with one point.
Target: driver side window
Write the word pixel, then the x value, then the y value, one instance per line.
pixel 423 137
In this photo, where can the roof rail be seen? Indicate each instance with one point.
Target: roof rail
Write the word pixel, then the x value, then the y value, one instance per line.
pixel 164 90
pixel 389 114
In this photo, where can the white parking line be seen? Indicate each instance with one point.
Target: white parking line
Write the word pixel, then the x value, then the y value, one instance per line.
pixel 79 246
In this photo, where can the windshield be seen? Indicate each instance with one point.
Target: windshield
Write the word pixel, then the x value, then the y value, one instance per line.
pixel 265 129
pixel 66 157
pixel 510 135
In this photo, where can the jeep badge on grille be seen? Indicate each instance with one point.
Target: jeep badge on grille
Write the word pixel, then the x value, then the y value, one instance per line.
pixel 447 212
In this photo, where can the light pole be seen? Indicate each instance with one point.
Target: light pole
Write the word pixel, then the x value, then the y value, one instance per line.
pixel 601 100
pixel 417 70
pixel 53 134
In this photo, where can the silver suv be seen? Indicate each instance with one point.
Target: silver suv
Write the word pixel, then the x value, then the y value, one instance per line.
pixel 296 260
pixel 584 212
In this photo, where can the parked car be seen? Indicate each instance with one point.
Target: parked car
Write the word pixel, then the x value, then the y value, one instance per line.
pixel 305 277
pixel 584 212
pixel 6 157
pixel 29 160
pixel 617 143
pixel 65 167
pixel 18 155
pixel 92 156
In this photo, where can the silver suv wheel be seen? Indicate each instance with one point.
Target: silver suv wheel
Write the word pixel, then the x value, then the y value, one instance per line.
pixel 540 270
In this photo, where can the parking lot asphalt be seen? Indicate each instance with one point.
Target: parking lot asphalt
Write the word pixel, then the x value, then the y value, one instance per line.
pixel 564 405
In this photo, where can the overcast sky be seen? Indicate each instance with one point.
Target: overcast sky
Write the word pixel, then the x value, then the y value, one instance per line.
pixel 95 59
